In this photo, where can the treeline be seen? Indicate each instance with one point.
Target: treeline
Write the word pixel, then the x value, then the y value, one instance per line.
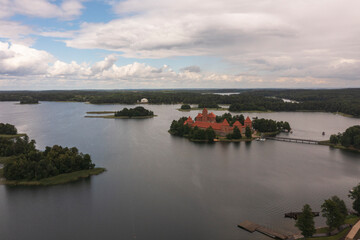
pixel 178 128
pixel 134 112
pixel 338 100
pixel 269 125
pixel 349 138
pixel 230 118
pixel 32 164
pixel 6 128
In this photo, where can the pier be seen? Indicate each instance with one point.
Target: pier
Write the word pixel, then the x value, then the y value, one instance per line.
pixel 252 227
pixel 295 215
pixel 294 140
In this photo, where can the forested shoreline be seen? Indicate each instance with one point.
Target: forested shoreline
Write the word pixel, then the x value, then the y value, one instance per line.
pixel 24 163
pixel 345 101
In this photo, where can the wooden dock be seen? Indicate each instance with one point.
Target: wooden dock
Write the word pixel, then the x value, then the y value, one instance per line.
pixel 252 227
pixel 295 215
pixel 294 140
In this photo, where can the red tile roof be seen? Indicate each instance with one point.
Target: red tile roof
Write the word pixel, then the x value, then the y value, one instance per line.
pixel 225 123
pixel 248 119
pixel 212 115
pixel 237 123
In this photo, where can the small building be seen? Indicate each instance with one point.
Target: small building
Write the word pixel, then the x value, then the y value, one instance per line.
pixel 144 100
pixel 205 120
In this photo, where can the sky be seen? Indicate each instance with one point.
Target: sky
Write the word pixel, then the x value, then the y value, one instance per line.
pixel 111 44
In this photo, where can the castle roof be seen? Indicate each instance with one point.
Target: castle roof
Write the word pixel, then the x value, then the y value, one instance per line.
pixel 215 126
pixel 199 115
pixel 225 123
pixel 237 124
pixel 248 119
pixel 211 115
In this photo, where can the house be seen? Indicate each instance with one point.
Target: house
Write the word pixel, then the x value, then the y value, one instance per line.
pixel 205 120
pixel 144 100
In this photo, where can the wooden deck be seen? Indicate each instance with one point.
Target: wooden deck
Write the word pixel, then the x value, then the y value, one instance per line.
pixel 252 227
pixel 294 140
pixel 295 215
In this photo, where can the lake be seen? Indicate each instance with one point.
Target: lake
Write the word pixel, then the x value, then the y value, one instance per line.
pixel 158 186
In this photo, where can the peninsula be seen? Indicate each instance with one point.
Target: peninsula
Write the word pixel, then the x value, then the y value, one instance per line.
pixel 22 164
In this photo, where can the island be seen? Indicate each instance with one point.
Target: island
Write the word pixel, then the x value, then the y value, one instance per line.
pixel 348 140
pixel 135 113
pixel 208 127
pixel 22 164
pixel 28 100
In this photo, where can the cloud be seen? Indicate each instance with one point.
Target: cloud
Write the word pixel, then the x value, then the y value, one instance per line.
pixel 193 68
pixel 67 10
pixel 23 67
pixel 20 60
pixel 15 32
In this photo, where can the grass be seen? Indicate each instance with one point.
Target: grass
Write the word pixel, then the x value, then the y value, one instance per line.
pixel 59 179
pixel 351 219
pixel 100 112
pixel 121 117
pixel 12 136
pixel 327 143
pixel 234 140
pixel 338 236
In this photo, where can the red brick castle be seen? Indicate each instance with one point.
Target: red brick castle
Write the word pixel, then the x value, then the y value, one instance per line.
pixel 204 120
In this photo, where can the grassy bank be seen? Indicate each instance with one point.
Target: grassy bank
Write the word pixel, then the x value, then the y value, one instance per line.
pixel 59 179
pixel 121 117
pixel 12 136
pixel 100 112
pixel 327 143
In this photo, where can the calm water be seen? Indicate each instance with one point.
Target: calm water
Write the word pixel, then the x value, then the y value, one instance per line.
pixel 163 187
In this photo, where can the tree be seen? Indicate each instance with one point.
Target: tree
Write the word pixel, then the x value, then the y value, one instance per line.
pixel 334 139
pixel 305 222
pixel 248 132
pixel 333 213
pixel 354 194
pixel 185 106
pixel 236 133
pixel 210 134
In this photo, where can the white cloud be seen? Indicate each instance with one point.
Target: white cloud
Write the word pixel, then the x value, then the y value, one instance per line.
pixel 16 32
pixel 17 59
pixel 67 10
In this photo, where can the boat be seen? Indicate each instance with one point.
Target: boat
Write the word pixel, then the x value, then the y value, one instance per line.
pixel 262 139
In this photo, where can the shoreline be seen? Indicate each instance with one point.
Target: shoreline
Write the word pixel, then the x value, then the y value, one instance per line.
pixel 120 117
pixel 55 180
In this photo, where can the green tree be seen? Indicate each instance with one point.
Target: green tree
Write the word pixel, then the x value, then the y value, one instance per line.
pixel 210 134
pixel 236 133
pixel 185 106
pixel 333 213
pixel 248 132
pixel 305 222
pixel 354 194
pixel 334 139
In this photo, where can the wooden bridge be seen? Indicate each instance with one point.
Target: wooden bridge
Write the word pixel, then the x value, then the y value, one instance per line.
pixel 294 140
pixel 252 227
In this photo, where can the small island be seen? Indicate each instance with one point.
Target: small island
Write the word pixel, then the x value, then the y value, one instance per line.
pixel 348 140
pixel 28 100
pixel 126 113
pixel 208 127
pixel 22 164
